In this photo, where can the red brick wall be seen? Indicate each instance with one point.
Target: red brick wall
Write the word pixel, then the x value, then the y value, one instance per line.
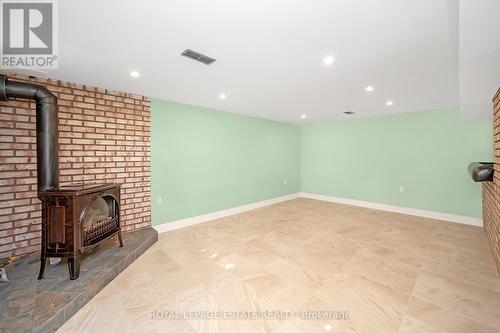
pixel 104 136
pixel 491 190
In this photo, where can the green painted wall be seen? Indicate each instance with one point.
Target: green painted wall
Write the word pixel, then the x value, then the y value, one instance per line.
pixel 369 158
pixel 205 160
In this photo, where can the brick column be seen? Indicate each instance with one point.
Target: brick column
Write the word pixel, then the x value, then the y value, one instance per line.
pixel 491 190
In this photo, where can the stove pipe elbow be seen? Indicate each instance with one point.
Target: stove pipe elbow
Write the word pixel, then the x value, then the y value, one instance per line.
pixel 47 135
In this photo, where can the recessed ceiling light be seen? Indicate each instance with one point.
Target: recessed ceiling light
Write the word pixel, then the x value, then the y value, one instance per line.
pixel 222 96
pixel 327 61
pixel 303 116
pixel 348 112
pixel 135 74
pixel 369 88
pixel 388 103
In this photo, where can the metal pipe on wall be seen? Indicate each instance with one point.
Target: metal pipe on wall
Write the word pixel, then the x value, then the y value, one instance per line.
pixel 47 134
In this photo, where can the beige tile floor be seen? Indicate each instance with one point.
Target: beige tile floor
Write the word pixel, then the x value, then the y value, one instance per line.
pixel 389 272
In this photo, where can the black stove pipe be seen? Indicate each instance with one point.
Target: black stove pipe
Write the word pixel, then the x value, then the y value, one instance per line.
pixel 482 171
pixel 47 135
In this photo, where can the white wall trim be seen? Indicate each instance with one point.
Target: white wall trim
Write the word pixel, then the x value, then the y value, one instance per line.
pixel 168 226
pixel 478 222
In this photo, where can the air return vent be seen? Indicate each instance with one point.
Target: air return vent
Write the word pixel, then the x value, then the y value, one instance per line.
pixel 198 56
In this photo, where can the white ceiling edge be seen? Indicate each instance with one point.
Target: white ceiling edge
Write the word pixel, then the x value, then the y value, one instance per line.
pixel 422 54
pixel 479 57
pixel 269 54
pixel 479 82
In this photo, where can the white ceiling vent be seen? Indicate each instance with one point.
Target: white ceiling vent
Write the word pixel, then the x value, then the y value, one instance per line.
pixel 198 56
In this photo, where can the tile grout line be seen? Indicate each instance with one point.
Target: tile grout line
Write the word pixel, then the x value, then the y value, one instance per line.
pixel 363 246
pixel 463 315
pixel 418 276
pixel 443 275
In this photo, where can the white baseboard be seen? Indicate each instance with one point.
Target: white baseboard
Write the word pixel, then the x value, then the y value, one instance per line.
pixel 478 222
pixel 220 214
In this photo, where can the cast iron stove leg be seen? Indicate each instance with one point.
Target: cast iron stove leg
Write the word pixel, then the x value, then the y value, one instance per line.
pixel 74 267
pixel 43 262
pixel 120 238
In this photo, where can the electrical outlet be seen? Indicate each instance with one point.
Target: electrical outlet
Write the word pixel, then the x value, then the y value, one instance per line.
pixel 159 201
pixel 285 181
pixel 401 188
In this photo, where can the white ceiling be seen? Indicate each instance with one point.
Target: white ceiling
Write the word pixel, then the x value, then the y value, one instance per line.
pixel 269 53
pixel 479 56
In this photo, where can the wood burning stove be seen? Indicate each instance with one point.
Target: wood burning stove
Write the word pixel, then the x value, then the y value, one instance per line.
pixel 75 218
